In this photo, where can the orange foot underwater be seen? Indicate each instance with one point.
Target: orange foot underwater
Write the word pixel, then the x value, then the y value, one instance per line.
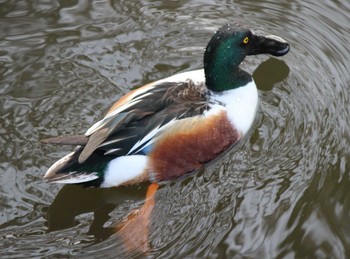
pixel 134 230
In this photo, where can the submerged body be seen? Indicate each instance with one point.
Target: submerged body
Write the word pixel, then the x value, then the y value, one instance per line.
pixel 173 126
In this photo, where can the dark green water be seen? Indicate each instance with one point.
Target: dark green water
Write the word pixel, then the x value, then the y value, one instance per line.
pixel 284 193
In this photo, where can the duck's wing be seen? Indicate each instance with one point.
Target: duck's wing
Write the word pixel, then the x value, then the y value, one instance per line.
pixel 130 127
pixel 131 124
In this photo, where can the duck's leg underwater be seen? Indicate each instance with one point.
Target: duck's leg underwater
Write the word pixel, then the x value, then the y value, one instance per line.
pixel 134 230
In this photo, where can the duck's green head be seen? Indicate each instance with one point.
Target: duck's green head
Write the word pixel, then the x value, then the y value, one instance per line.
pixel 227 49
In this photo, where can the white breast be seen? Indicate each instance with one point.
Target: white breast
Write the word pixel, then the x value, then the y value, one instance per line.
pixel 241 103
pixel 241 106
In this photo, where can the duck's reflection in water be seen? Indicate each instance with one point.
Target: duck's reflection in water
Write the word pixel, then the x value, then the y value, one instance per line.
pixel 73 200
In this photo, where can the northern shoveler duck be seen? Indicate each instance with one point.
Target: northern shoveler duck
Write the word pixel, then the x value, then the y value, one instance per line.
pixel 173 126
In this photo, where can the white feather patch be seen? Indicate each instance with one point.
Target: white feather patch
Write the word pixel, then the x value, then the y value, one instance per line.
pixel 124 169
pixel 241 106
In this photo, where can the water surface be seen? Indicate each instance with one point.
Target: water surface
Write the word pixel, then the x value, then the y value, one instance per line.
pixel 284 192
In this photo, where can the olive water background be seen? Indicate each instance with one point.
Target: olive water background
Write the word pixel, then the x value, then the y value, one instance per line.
pixel 283 192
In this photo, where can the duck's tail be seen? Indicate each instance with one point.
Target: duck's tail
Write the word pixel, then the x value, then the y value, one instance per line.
pixel 68 170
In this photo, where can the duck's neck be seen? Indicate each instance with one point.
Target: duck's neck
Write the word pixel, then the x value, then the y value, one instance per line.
pixel 221 67
pixel 221 78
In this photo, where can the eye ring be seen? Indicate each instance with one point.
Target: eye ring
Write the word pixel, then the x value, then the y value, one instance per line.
pixel 246 40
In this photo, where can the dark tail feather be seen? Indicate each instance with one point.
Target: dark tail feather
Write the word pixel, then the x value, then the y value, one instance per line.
pixel 80 140
pixel 68 170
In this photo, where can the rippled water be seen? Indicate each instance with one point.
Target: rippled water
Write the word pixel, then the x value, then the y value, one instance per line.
pixel 282 193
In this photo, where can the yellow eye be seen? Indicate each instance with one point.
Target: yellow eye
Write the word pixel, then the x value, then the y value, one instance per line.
pixel 246 39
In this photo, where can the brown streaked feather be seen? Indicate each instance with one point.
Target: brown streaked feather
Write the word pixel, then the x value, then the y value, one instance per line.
pixel 94 141
pixel 127 97
pixel 80 140
pixel 100 136
pixel 186 93
pixel 189 144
